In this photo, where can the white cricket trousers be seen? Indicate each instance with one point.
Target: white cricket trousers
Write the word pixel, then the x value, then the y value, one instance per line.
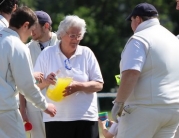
pixel 177 133
pixel 11 124
pixel 38 126
pixel 148 122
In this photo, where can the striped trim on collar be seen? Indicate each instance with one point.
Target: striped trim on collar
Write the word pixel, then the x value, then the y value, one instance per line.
pixel 4 21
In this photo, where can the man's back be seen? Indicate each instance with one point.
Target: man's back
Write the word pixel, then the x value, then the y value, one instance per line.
pixel 7 85
pixel 160 71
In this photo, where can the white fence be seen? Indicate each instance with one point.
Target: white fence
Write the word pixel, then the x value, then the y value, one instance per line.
pixel 105 95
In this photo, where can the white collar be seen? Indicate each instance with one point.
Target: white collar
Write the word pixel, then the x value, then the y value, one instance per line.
pixel 147 24
pixel 4 21
pixel 77 52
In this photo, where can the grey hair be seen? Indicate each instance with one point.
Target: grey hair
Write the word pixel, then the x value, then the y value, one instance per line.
pixel 68 22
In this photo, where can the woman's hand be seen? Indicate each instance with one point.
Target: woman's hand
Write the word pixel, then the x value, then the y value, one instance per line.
pixel 47 81
pixel 51 79
pixel 72 88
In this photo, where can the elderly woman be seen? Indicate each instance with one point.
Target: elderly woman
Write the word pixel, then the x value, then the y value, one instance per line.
pixel 77 113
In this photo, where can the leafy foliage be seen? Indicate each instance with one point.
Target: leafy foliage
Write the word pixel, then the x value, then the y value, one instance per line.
pixel 107 30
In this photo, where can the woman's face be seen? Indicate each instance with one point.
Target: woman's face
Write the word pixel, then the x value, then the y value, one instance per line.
pixel 72 38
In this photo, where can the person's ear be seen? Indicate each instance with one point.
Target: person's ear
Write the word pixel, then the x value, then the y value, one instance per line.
pixel 15 7
pixel 139 19
pixel 47 25
pixel 26 25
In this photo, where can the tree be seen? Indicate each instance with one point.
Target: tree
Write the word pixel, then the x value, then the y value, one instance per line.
pixel 107 30
pixel 30 3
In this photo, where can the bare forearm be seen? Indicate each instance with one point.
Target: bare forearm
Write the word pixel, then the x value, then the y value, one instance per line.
pixel 104 130
pixel 106 134
pixel 42 85
pixel 22 101
pixel 47 81
pixel 128 82
pixel 88 87
pixel 23 107
pixel 91 86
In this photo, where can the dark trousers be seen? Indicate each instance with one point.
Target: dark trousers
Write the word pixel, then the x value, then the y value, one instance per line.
pixel 72 129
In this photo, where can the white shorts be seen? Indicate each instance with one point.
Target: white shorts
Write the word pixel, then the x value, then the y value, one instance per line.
pixel 11 125
pixel 145 122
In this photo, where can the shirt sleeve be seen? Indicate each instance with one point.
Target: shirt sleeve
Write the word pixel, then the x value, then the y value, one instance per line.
pixel 21 67
pixel 93 67
pixel 133 56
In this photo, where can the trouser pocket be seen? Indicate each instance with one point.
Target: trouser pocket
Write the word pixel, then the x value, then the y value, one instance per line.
pixel 129 109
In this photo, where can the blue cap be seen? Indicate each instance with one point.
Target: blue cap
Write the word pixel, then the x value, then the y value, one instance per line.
pixel 43 17
pixel 143 9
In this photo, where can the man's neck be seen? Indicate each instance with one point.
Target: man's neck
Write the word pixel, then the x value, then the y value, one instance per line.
pixel 20 33
pixel 6 16
pixel 46 37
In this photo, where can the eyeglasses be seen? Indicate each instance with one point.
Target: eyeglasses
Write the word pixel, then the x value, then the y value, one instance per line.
pixel 67 64
pixel 75 36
